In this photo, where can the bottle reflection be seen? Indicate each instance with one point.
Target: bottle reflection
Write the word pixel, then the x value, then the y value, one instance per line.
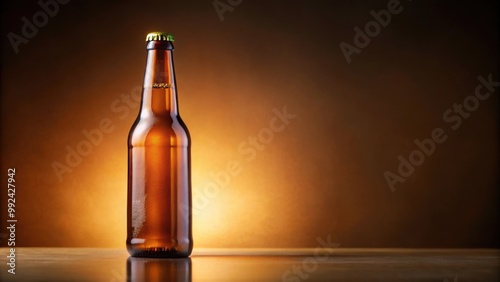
pixel 152 270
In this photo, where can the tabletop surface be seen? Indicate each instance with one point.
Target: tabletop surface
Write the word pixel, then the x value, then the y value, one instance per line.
pixel 294 265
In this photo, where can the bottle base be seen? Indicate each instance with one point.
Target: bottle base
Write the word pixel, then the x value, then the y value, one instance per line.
pixel 157 253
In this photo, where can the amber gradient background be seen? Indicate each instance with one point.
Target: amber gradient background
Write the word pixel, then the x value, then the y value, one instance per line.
pixel 322 176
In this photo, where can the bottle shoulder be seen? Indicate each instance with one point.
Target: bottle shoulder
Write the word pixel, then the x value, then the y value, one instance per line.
pixel 159 131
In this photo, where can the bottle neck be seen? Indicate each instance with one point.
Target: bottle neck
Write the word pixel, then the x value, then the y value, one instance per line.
pixel 159 95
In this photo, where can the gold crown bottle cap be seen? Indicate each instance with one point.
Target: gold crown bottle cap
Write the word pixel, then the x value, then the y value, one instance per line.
pixel 159 36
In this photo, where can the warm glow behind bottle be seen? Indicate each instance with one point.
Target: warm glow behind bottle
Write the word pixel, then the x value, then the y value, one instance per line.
pixel 159 163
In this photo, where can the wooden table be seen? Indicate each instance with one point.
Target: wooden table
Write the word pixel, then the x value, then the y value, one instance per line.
pixel 340 264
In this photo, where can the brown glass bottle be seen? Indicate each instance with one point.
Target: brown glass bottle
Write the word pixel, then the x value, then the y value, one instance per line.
pixel 159 163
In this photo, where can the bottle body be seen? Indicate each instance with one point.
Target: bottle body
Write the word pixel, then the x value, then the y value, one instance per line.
pixel 159 168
